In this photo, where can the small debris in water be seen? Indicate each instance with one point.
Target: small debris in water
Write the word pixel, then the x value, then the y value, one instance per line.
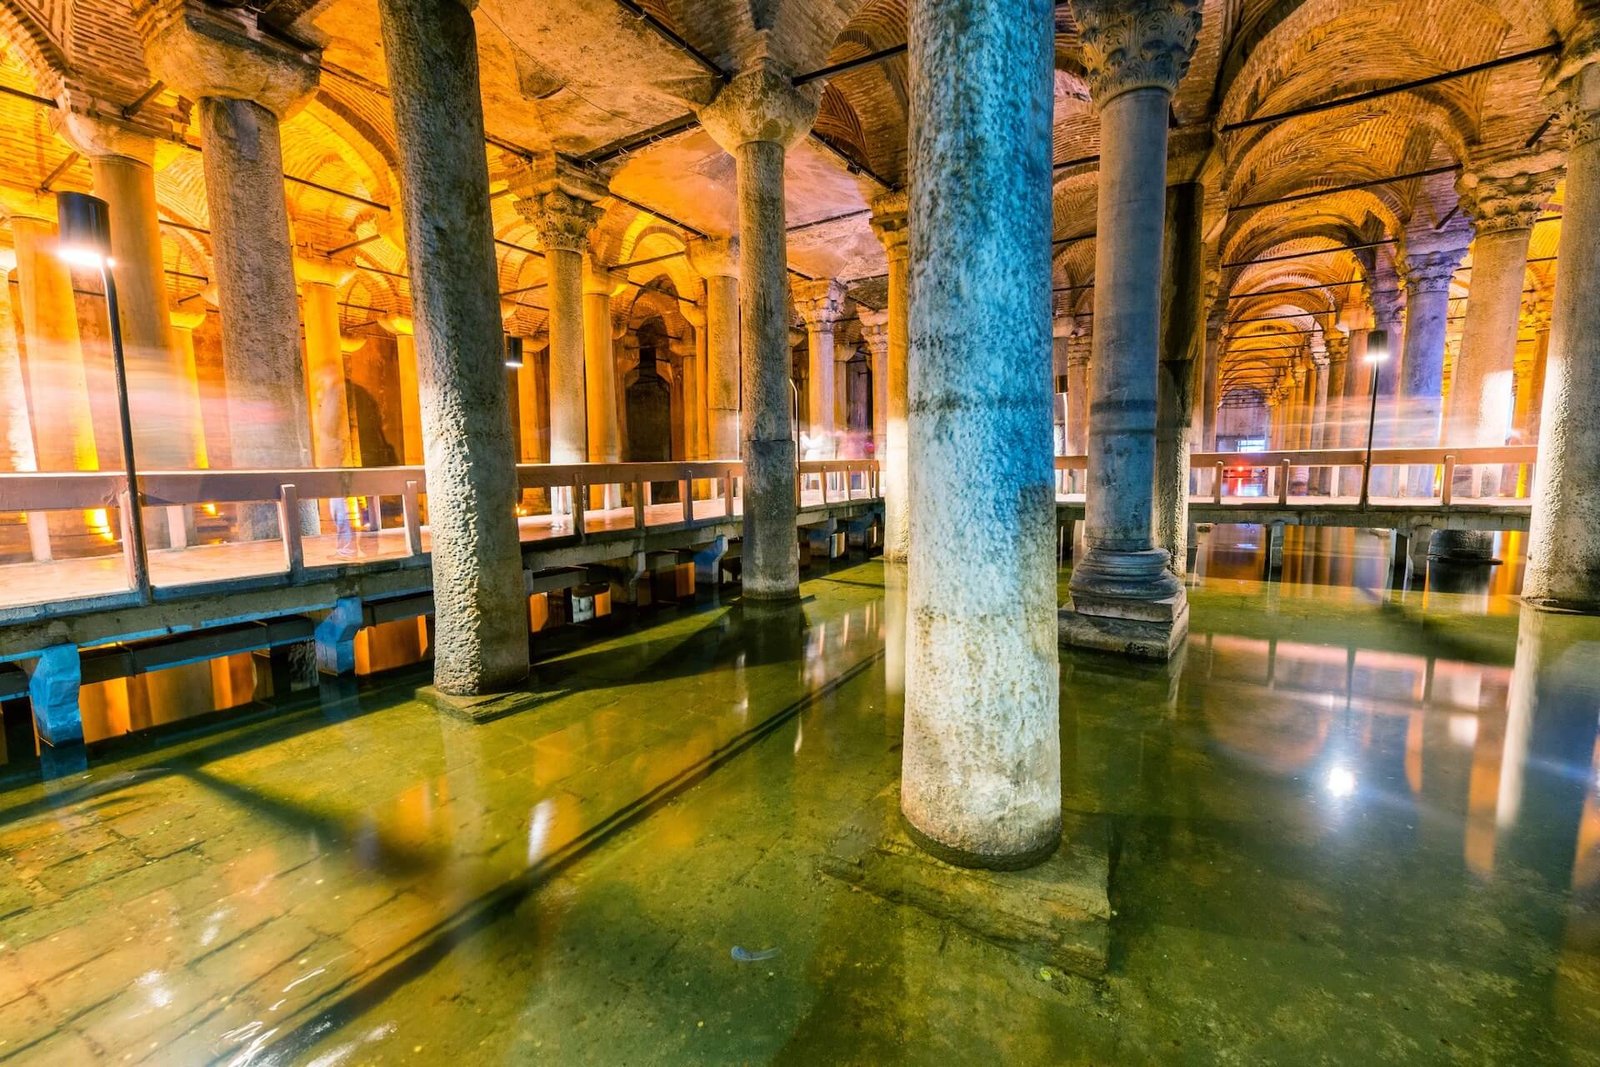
pixel 744 955
pixel 1045 974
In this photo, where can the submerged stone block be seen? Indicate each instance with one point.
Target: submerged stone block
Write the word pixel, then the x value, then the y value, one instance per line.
pixel 1154 631
pixel 1058 912
pixel 483 707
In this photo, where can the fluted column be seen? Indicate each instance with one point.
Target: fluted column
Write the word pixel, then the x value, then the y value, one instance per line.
pixel 1504 203
pixel 889 222
pixel 246 82
pixel 1431 261
pixel 755 117
pixel 563 221
pixel 1123 595
pixel 981 769
pixel 717 261
pixel 875 332
pixel 481 611
pixel 1564 543
pixel 820 304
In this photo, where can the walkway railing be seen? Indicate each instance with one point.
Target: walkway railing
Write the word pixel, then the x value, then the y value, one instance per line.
pixel 1247 478
pixel 556 501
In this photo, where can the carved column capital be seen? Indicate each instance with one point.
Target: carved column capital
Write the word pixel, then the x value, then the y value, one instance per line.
pixel 1080 346
pixel 874 330
pixel 1136 44
pixel 562 221
pixel 889 222
pixel 1508 196
pixel 820 302
pixel 1338 346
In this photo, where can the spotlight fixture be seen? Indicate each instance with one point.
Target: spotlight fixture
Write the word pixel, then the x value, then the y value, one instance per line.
pixel 513 352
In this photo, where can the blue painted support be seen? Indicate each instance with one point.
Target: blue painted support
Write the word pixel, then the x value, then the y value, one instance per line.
pixel 53 682
pixel 336 637
pixel 708 561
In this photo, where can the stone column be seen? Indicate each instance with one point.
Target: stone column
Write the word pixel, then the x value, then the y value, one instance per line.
pixel 16 423
pixel 481 612
pixel 820 304
pixel 183 323
pixel 1337 413
pixel 320 280
pixel 563 220
pixel 755 118
pixel 1564 542
pixel 695 316
pixel 889 222
pixel 1318 428
pixel 1385 300
pixel 1079 349
pixel 1504 202
pixel 1539 318
pixel 1211 383
pixel 58 386
pixel 600 375
pixel 1123 595
pixel 875 332
pixel 717 261
pixel 981 772
pixel 405 346
pixel 164 430
pixel 245 82
pixel 1430 262
pixel 1182 355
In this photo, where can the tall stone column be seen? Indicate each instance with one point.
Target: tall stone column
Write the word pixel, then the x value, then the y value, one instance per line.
pixel 717 261
pixel 981 771
pixel 405 346
pixel 1539 319
pixel 58 385
pixel 600 373
pixel 1080 347
pixel 1211 381
pixel 1504 202
pixel 820 304
pixel 755 118
pixel 164 431
pixel 875 332
pixel 1336 414
pixel 1564 542
pixel 320 280
pixel 481 612
pixel 698 413
pixel 246 82
pixel 183 322
pixel 1430 262
pixel 1123 594
pixel 1386 316
pixel 1318 427
pixel 563 220
pixel 16 422
pixel 1182 357
pixel 890 223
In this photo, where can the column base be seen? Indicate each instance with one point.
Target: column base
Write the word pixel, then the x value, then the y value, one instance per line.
pixel 1057 912
pixel 1125 602
pixel 485 707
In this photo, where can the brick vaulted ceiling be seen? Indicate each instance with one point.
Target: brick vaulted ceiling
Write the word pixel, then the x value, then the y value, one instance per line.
pixel 593 80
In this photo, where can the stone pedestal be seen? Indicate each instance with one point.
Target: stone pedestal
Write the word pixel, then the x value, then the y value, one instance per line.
pixel 481 610
pixel 755 118
pixel 1057 913
pixel 1136 52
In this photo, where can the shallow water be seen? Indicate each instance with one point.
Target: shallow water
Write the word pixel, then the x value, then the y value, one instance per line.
pixel 1351 827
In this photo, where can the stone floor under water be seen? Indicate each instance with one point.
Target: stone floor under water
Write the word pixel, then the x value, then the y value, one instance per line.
pixel 1333 845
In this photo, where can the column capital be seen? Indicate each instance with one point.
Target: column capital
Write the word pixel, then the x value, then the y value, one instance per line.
pixel 599 281
pixel 760 103
pixel 319 270
pixel 714 257
pixel 890 212
pixel 1574 88
pixel 1508 195
pixel 1537 308
pixel 83 123
pixel 819 301
pixel 562 221
pixel 874 329
pixel 1431 257
pixel 693 314
pixel 1135 44
pixel 1080 347
pixel 399 325
pixel 1338 346
pixel 204 51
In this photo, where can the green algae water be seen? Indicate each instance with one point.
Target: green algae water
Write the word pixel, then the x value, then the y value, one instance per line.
pixel 1349 826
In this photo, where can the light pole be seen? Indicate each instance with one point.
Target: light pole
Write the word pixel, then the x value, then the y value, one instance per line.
pixel 1377 354
pixel 84 224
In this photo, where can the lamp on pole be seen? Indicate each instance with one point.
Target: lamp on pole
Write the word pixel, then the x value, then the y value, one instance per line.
pixel 84 224
pixel 1377 355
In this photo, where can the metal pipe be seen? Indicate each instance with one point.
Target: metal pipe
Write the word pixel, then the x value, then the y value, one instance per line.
pixel 141 562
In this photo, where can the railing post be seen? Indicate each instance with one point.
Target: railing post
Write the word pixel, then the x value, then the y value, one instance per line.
pixel 1283 482
pixel 39 537
pixel 638 505
pixel 1216 488
pixel 411 512
pixel 289 526
pixel 177 526
pixel 688 499
pixel 580 492
pixel 824 480
pixel 1446 489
